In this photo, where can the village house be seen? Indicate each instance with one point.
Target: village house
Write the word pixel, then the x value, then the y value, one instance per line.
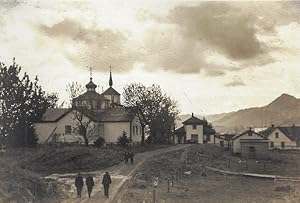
pixel 283 137
pixel 107 118
pixel 194 130
pixel 250 145
pixel 223 140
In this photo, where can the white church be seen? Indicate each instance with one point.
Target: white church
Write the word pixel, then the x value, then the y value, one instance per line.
pixel 109 119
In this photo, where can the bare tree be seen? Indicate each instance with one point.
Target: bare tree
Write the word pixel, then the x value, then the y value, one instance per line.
pixel 82 114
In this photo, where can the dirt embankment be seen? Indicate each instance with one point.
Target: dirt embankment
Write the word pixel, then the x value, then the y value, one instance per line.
pixel 22 170
pixel 201 185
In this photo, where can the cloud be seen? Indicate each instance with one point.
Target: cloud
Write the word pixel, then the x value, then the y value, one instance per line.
pixel 236 81
pixel 91 46
pixel 221 26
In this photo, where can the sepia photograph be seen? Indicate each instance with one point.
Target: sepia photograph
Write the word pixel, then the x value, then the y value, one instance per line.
pixel 149 101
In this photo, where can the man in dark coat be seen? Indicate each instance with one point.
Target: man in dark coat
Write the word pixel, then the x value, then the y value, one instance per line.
pixel 79 184
pixel 106 181
pixel 89 184
pixel 131 157
pixel 126 156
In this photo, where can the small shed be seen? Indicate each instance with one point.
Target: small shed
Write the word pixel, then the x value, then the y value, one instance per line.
pixel 254 148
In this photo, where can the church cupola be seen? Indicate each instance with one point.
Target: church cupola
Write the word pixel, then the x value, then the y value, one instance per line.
pixel 91 87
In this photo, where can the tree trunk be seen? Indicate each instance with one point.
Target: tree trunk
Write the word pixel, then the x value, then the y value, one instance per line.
pixel 86 140
pixel 143 135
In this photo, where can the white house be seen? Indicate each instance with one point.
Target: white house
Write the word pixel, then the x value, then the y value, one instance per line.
pixel 107 118
pixel 250 143
pixel 194 130
pixel 283 137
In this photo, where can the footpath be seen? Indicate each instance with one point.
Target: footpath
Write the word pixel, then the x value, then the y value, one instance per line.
pixel 119 173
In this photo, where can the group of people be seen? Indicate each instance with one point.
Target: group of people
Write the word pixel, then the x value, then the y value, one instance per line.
pixel 89 181
pixel 128 155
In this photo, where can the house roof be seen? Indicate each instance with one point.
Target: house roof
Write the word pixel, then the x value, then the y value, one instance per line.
pixel 292 132
pixel 267 131
pixel 226 137
pixel 247 132
pixel 120 114
pixel 91 95
pixel 180 131
pixel 194 121
pixel 110 91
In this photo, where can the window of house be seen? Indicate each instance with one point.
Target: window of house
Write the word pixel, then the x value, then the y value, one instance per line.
pixel 272 144
pixel 276 135
pixel 282 144
pixel 194 127
pixel 68 129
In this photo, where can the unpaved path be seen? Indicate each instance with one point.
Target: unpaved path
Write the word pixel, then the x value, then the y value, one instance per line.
pixel 119 174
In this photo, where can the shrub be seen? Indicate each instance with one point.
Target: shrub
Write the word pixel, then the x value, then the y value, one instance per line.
pixel 123 140
pixel 99 142
pixel 149 140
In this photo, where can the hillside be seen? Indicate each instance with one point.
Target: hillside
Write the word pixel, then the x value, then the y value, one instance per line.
pixel 284 110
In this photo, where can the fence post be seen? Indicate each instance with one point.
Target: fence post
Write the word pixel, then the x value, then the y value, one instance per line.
pixel 154 196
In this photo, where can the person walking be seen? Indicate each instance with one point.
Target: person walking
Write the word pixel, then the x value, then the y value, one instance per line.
pixel 131 157
pixel 79 184
pixel 126 157
pixel 89 181
pixel 106 181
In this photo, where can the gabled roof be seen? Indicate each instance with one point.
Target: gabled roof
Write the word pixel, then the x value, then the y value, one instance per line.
pixel 293 132
pixel 90 95
pixel 180 131
pixel 247 132
pixel 120 114
pixel 194 121
pixel 54 114
pixel 110 91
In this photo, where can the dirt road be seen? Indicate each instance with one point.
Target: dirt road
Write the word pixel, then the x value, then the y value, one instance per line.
pixel 119 174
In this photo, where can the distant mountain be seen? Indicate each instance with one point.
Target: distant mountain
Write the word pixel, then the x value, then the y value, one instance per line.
pixel 285 110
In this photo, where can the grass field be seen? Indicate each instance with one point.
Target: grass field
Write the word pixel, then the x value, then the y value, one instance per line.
pixel 206 186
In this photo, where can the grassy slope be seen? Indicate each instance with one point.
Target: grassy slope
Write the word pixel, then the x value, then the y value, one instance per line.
pixel 21 170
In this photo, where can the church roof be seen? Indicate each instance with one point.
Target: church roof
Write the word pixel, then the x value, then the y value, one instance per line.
pixel 54 114
pixel 110 91
pixel 194 121
pixel 120 114
pixel 90 95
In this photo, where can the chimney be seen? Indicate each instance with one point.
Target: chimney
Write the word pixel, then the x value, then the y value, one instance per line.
pixel 272 126
pixel 192 114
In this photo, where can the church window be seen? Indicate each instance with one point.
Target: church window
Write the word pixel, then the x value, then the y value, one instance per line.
pixel 68 129
pixel 276 135
pixel 194 127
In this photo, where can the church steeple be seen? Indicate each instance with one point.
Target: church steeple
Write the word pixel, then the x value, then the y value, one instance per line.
pixel 110 77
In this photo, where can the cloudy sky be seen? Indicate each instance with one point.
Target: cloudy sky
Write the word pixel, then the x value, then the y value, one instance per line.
pixel 211 57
